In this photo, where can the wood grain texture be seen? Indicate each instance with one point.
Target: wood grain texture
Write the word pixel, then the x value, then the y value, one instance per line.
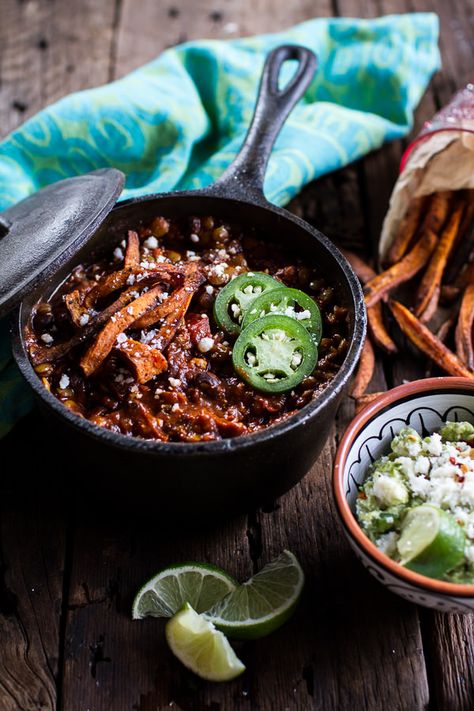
pixel 47 49
pixel 32 558
pixel 351 644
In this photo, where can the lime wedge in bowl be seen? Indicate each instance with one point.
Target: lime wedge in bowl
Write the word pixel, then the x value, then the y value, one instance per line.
pixel 263 603
pixel 200 647
pixel 200 584
pixel 431 541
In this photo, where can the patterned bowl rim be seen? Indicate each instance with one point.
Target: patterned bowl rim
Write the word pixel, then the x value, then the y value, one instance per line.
pixel 367 414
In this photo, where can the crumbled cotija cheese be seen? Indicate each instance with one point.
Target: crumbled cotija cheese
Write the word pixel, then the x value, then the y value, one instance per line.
pixel 64 382
pixel 151 243
pixel 205 344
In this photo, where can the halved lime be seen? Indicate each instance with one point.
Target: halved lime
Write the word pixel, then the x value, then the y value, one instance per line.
pixel 200 647
pixel 263 603
pixel 431 541
pixel 200 584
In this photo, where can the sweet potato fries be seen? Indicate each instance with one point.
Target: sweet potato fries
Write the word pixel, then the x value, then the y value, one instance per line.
pixel 437 236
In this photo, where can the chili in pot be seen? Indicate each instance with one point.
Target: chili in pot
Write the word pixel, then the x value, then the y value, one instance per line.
pixel 160 339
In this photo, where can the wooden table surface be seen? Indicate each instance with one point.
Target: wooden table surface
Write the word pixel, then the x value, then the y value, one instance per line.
pixel 68 575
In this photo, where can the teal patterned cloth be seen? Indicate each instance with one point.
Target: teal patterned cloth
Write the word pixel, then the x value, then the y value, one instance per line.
pixel 178 121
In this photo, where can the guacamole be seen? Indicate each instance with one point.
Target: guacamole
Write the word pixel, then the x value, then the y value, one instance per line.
pixel 435 471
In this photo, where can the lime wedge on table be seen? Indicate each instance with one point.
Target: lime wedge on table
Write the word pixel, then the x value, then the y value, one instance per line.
pixel 431 541
pixel 263 603
pixel 199 584
pixel 200 647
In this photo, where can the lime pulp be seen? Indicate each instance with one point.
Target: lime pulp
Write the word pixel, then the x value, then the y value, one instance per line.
pixel 263 603
pixel 431 541
pixel 201 647
pixel 199 584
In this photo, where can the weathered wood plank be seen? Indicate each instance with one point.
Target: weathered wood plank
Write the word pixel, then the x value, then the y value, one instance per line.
pixel 46 50
pixel 32 554
pixel 50 49
pixel 147 28
pixel 450 638
pixel 113 662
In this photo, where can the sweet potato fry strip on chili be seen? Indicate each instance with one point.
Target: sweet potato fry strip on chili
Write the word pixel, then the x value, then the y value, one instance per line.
pixel 404 270
pixel 107 285
pixel 192 282
pixel 43 354
pixel 407 230
pixel 365 370
pixel 172 321
pixel 119 322
pixel 168 273
pixel 171 304
pixel 431 281
pixel 463 335
pixel 145 361
pixel 378 330
pixel 132 253
pixel 427 342
pixel 74 304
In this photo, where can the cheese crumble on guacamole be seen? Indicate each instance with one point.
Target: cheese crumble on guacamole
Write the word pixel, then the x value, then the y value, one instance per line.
pixel 417 503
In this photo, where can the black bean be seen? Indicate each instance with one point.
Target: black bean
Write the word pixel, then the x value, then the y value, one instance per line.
pixel 43 318
pixel 207 382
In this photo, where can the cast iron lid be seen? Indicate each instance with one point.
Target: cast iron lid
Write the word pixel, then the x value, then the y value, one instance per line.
pixel 40 233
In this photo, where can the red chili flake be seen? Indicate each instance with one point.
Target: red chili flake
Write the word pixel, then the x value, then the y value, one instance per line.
pixel 362 495
pixel 452 460
pixel 460 478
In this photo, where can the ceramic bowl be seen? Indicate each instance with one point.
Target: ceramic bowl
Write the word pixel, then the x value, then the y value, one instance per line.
pixel 424 405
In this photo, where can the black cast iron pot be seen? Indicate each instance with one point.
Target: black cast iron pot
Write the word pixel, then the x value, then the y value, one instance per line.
pixel 230 474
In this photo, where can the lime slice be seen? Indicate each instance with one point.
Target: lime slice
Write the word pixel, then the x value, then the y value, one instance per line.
pixel 200 647
pixel 263 603
pixel 431 541
pixel 200 584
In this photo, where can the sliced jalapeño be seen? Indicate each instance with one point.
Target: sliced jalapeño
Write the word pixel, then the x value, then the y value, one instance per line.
pixel 274 353
pixel 235 298
pixel 288 302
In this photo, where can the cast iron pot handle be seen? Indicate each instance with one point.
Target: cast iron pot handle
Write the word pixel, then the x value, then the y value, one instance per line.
pixel 244 177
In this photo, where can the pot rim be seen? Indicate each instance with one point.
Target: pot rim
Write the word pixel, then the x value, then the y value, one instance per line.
pixel 214 447
pixel 351 526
